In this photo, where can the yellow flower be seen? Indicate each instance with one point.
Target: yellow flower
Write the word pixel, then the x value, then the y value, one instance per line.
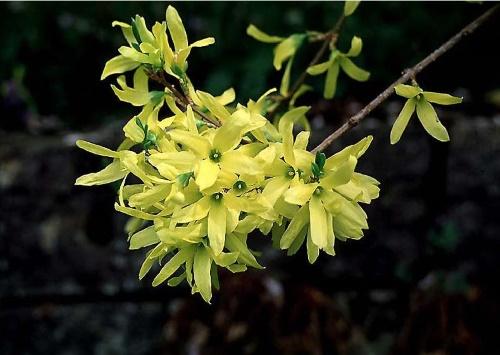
pixel 421 101
pixel 286 48
pixel 337 61
pixel 152 47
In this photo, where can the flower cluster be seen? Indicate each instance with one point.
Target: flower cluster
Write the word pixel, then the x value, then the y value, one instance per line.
pixel 199 175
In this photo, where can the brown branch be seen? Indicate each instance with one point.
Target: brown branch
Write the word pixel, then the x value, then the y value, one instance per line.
pixel 407 75
pixel 181 99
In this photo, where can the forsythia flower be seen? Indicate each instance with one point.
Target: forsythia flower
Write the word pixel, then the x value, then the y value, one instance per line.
pixel 340 60
pixel 286 47
pixel 199 188
pixel 152 47
pixel 420 101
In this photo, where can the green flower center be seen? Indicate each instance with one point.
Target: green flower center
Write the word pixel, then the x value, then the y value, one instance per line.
pixel 215 155
pixel 290 172
pixel 240 185
pixel 217 196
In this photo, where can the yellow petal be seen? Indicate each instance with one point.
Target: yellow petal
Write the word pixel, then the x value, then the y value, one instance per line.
pixel 357 150
pixel 144 33
pixel 286 49
pixel 408 91
pixel 110 173
pixel 330 236
pixel 356 47
pixel 430 121
pixel 227 97
pixel 317 220
pixel 319 68
pixel 275 187
pixel 217 109
pixel 207 174
pixel 229 135
pixel 240 164
pixel 190 234
pixel 331 80
pixel 196 143
pixel 150 196
pixel 217 226
pixel 300 193
pixel 350 6
pixel 296 225
pixel 254 32
pixel 402 120
pixel 441 99
pixel 341 175
pixel 159 31
pixel 238 245
pixel 285 128
pixel 171 266
pixel 285 81
pixel 143 238
pixel 193 212
pixel 203 42
pixel 312 249
pixel 201 268
pixel 118 65
pixel 302 140
pixel 126 30
pixel 176 28
pixel 96 149
pixel 352 70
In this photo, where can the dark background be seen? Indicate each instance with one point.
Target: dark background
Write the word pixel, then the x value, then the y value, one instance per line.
pixel 422 281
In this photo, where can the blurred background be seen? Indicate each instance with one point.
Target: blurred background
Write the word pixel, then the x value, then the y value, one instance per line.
pixel 424 280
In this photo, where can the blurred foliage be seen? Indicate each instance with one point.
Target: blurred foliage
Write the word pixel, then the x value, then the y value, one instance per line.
pixel 62 48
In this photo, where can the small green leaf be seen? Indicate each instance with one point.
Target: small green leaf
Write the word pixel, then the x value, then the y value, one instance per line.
pixel 136 47
pixel 315 170
pixel 139 123
pixel 135 31
pixel 320 160
pixel 156 97
pixel 183 179
pixel 177 70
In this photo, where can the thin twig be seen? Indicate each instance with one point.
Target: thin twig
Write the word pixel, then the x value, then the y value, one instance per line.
pixel 407 75
pixel 182 100
pixel 329 40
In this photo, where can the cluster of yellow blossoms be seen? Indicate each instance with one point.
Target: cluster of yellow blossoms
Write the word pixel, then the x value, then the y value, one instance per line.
pixel 198 177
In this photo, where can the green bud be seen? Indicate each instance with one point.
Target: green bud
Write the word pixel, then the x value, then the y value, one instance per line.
pixel 320 160
pixel 184 178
